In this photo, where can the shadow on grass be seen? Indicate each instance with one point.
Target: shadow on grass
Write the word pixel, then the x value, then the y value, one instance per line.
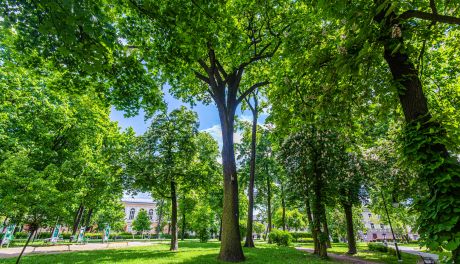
pixel 189 252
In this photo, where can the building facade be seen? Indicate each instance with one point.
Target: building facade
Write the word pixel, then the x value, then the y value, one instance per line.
pixel 133 206
pixel 375 230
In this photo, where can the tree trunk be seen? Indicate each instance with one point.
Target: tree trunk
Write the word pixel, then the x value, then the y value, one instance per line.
pixel 269 206
pixel 230 249
pixel 326 228
pixel 88 220
pixel 348 208
pixel 318 209
pixel 220 229
pixel 32 231
pixel 76 220
pixel 424 135
pixel 311 225
pixel 249 239
pixel 183 223
pixel 174 242
pixel 283 205
pixel 160 216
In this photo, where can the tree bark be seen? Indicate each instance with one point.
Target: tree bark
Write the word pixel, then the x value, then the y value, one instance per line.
pixel 220 229
pixel 318 209
pixel 32 231
pixel 230 249
pixel 311 225
pixel 348 208
pixel 249 239
pixel 183 223
pixel 160 216
pixel 283 205
pixel 428 148
pixel 174 242
pixel 326 227
pixel 88 220
pixel 77 220
pixel 269 206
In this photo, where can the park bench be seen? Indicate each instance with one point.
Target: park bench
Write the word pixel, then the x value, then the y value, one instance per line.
pixel 428 260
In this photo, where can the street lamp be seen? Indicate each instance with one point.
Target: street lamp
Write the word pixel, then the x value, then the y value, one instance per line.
pixel 395 204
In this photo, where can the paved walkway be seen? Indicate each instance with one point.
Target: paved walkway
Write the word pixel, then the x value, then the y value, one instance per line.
pixel 341 258
pixel 414 251
pixel 15 251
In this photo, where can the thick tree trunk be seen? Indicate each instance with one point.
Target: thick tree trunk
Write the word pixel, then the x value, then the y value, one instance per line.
pixel 424 134
pixel 249 239
pixel 318 209
pixel 174 242
pixel 348 208
pixel 311 225
pixel 326 228
pixel 230 249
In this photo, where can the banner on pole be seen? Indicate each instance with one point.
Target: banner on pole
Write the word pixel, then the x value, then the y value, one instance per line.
pixel 8 236
pixel 81 234
pixel 55 235
pixel 106 233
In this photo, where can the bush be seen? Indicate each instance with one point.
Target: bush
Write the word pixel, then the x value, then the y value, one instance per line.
pixel 301 236
pixel 377 247
pixel 44 235
pixel 281 238
pixel 66 235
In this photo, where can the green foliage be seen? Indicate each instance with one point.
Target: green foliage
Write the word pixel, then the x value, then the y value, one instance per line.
pixel 377 247
pixel 281 238
pixel 142 221
pixel 301 236
pixel 202 219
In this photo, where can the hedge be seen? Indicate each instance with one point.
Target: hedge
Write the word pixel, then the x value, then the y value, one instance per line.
pixel 279 237
pixel 301 236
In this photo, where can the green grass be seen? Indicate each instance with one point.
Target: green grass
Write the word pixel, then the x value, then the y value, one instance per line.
pixel 189 252
pixel 364 253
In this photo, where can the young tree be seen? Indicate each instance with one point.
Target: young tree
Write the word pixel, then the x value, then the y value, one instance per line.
pixel 142 222
pixel 165 155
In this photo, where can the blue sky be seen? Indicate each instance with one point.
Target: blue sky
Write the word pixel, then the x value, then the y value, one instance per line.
pixel 207 115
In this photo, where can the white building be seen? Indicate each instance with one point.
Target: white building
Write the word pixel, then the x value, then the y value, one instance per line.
pixel 132 207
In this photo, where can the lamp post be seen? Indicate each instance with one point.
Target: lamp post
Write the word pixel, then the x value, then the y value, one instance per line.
pixel 391 227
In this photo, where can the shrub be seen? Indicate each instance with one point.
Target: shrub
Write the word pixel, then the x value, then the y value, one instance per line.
pixel 377 247
pixel 300 236
pixel 21 235
pixel 281 238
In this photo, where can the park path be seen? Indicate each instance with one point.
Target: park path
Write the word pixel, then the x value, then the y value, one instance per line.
pixel 15 251
pixel 341 258
pixel 414 251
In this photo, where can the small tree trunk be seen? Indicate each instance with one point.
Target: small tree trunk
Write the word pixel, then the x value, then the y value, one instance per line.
pixel 160 216
pixel 32 231
pixel 88 220
pixel 77 220
pixel 220 229
pixel 249 239
pixel 269 207
pixel 348 208
pixel 311 225
pixel 183 224
pixel 283 205
pixel 318 209
pixel 174 242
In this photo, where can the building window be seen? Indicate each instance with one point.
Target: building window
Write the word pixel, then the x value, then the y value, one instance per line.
pixel 151 214
pixel 372 225
pixel 131 213
pixel 381 226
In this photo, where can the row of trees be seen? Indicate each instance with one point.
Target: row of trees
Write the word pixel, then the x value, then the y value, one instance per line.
pixel 350 69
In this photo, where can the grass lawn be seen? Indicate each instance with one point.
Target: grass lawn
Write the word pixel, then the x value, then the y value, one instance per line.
pixel 189 252
pixel 364 253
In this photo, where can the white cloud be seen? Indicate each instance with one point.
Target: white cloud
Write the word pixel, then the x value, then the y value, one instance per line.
pixel 216 132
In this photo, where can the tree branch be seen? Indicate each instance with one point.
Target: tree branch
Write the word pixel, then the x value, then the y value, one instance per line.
pixel 430 17
pixel 250 90
pixel 202 77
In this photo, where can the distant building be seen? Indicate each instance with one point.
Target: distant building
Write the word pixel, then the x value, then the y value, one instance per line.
pixel 132 208
pixel 375 230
